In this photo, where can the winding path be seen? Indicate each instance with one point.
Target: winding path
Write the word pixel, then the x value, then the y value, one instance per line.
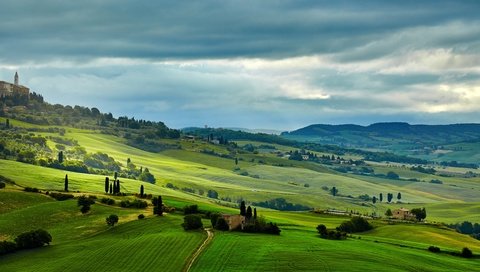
pixel 199 250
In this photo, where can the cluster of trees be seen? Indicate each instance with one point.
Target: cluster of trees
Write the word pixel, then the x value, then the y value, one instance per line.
pixel 425 170
pixel 26 240
pixel 459 164
pixel 420 213
pixel 112 187
pixel 256 224
pixel 282 205
pixel 389 197
pixel 157 205
pixel 356 224
pixel 466 227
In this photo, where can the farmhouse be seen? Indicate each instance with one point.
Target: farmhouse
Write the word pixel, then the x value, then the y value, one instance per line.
pixel 403 214
pixel 234 221
pixel 9 89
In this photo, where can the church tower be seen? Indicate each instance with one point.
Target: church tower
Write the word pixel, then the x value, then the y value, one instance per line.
pixel 16 78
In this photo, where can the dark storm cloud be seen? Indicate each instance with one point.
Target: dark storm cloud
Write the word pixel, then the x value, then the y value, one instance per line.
pixel 41 30
pixel 269 64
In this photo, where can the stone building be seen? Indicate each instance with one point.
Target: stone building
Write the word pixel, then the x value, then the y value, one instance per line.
pixel 403 214
pixel 9 89
pixel 234 221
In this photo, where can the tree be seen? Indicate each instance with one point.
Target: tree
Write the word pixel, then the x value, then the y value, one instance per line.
pixel 112 219
pixel 141 190
pixel 255 213
pixel 212 194
pixel 243 210
pixel 192 222
pixel 7 123
pixel 374 199
pixel 147 176
pixel 111 188
pixel 222 224
pixel 420 214
pixel 249 214
pixel 388 213
pixel 158 205
pixel 236 159
pixel 399 196
pixel 60 157
pixel 389 197
pixel 33 239
pixel 107 183
pixel 334 191
pixel 392 175
pixel 115 175
pixel 467 253
pixel 66 183
pixel 85 203
pixel 381 197
pixel 322 229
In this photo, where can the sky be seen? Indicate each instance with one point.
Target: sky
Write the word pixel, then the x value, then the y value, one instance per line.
pixel 254 64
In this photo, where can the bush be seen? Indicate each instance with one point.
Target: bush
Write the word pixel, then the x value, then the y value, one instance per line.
pixel 138 204
pixel 85 209
pixel 356 224
pixel 33 239
pixel 7 247
pixel 60 196
pixel 192 209
pixel 107 201
pixel 331 234
pixel 112 219
pixel 434 249
pixel 222 224
pixel 85 201
pixel 30 189
pixel 192 222
pixel 2 185
pixel 141 216
pixel 466 253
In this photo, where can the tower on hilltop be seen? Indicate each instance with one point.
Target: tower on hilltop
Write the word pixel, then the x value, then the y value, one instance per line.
pixel 16 79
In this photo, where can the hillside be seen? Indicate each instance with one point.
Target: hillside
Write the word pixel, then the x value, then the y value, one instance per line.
pixel 433 142
pixel 216 169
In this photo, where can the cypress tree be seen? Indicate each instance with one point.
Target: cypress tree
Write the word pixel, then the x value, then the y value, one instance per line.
pixel 107 183
pixel 118 186
pixel 111 188
pixel 248 215
pixel 115 176
pixel 141 190
pixel 66 183
pixel 158 209
pixel 399 196
pixel 60 157
pixel 242 208
pixel 254 213
pixel 381 197
pixel 7 123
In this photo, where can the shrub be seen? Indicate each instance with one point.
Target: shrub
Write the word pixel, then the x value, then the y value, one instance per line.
pixel 222 224
pixel 112 219
pixel 2 185
pixel 192 209
pixel 107 201
pixel 466 253
pixel 141 216
pixel 85 209
pixel 33 239
pixel 85 201
pixel 60 196
pixel 192 222
pixel 30 189
pixel 434 249
pixel 7 247
pixel 138 204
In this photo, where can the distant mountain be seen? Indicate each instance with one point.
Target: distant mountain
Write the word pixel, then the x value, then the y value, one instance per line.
pixel 464 131
pixel 425 141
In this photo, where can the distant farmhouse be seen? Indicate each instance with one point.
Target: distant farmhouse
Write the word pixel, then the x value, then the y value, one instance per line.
pixel 234 221
pixel 403 214
pixel 10 89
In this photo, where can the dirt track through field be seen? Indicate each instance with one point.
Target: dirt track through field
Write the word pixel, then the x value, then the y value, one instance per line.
pixel 199 250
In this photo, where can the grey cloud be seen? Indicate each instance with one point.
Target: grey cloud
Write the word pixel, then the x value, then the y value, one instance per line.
pixel 44 30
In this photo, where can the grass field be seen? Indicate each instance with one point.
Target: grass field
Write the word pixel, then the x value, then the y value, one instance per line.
pixel 86 243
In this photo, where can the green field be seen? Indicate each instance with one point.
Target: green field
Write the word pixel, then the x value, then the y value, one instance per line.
pixel 86 243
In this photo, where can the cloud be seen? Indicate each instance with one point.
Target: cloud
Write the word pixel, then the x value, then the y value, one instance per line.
pixel 270 64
